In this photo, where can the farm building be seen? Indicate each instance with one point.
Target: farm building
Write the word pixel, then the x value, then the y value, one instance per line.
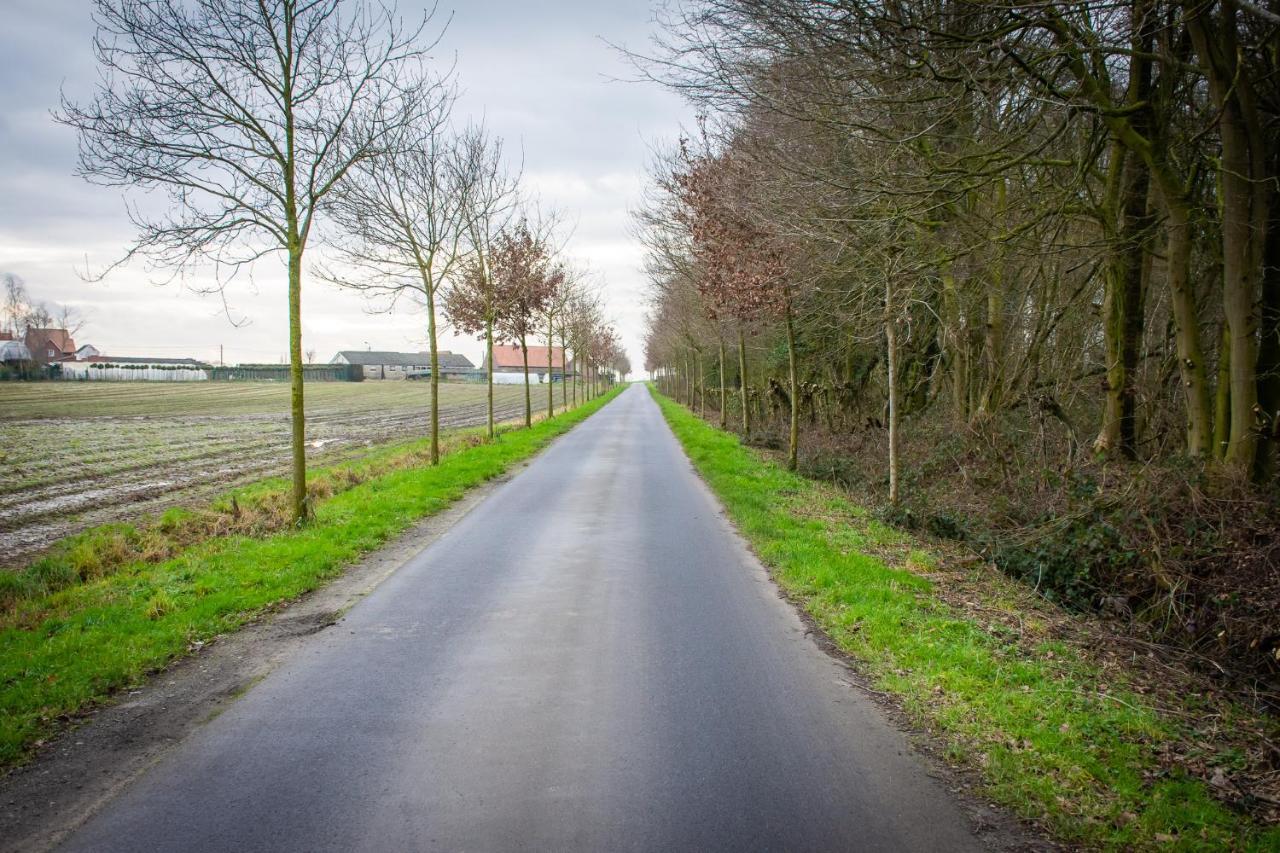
pixel 401 365
pixel 15 360
pixel 281 373
pixel 105 368
pixel 48 345
pixel 507 358
pixel 13 351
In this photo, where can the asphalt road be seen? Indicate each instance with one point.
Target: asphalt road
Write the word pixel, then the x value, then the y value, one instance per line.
pixel 589 660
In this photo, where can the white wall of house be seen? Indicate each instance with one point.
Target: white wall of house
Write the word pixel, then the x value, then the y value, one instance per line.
pixel 535 378
pixel 385 371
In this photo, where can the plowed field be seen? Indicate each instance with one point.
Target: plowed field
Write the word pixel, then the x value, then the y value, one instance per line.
pixel 73 455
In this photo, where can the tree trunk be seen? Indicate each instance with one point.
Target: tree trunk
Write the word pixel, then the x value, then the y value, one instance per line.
pixel 1239 287
pixel 891 345
pixel 702 384
pixel 1127 202
pixel 1124 308
pixel 435 376
pixel 301 505
pixel 690 382
pixel 1182 298
pixel 1264 466
pixel 551 386
pixel 528 396
pixel 1173 192
pixel 488 346
pixel 1222 397
pixel 1112 333
pixel 793 443
pixel 1245 189
pixel 564 371
pixel 993 332
pixel 724 398
pixel 742 383
pixel 683 394
pixel 957 343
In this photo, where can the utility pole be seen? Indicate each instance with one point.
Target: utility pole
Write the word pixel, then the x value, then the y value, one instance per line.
pixel 221 363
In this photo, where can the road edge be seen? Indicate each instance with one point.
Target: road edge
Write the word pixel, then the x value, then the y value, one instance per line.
pixel 993 825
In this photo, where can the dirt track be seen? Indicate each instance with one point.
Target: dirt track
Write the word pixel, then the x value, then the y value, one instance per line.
pixel 76 455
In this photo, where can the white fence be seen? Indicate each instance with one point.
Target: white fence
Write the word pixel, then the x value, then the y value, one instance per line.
pixel 102 372
pixel 535 378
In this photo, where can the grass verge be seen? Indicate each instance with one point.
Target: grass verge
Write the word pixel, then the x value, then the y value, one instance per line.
pixel 66 649
pixel 1052 736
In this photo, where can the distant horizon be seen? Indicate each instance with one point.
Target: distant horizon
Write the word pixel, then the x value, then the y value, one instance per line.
pixel 477 359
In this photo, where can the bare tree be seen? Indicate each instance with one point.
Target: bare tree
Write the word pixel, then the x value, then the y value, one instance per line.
pixel 487 205
pixel 246 115
pixel 19 312
pixel 580 324
pixel 573 298
pixel 565 284
pixel 405 218
pixel 16 305
pixel 502 293
pixel 67 317
pixel 524 278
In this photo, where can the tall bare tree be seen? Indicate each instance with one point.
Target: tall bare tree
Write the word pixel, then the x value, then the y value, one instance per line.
pixel 491 198
pixel 246 115
pixel 16 306
pixel 555 317
pixel 404 216
pixel 20 312
pixel 579 324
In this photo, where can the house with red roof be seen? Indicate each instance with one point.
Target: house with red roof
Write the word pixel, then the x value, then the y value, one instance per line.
pixel 47 345
pixel 508 358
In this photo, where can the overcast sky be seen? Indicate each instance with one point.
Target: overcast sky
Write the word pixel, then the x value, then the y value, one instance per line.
pixel 539 73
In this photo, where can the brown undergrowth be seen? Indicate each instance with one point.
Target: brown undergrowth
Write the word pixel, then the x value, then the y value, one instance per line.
pixel 1184 557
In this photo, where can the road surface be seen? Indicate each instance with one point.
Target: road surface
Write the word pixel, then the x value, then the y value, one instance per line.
pixel 589 660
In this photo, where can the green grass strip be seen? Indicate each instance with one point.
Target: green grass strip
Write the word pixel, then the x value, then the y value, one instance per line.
pixel 1052 740
pixel 102 636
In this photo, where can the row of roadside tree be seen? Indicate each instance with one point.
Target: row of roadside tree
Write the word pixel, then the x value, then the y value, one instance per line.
pixel 1009 270
pixel 267 127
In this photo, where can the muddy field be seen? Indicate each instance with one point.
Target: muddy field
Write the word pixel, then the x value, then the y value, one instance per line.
pixel 73 455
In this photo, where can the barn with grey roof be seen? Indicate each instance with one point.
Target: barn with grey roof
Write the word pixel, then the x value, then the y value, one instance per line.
pixel 381 364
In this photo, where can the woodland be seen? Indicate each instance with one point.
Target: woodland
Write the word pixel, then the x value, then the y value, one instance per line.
pixel 1009 273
